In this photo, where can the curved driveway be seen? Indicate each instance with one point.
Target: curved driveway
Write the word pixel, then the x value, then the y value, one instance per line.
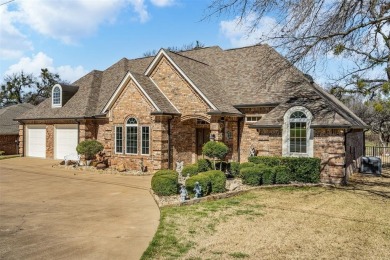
pixel 52 213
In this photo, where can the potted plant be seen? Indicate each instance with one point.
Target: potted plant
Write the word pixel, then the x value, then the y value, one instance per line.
pixel 89 148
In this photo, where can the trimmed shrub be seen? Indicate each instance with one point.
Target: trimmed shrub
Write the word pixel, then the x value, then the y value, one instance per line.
pixel 89 148
pixel 246 165
pixel 204 165
pixel 303 169
pixel 235 168
pixel 267 160
pixel 191 169
pixel 165 172
pixel 268 174
pixel 218 181
pixel 282 175
pixel 165 183
pixel 211 181
pixel 251 176
pixel 214 150
pixel 203 180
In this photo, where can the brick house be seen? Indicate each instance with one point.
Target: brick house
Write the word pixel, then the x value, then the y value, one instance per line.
pixel 157 110
pixel 9 129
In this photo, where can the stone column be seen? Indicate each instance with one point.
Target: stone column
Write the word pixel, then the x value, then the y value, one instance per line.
pixel 216 129
pixel 160 142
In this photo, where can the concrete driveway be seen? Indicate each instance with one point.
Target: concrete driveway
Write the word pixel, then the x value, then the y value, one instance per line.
pixel 52 213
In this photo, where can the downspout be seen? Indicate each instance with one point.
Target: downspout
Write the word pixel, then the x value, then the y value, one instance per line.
pixel 169 142
pixel 345 156
pixel 238 138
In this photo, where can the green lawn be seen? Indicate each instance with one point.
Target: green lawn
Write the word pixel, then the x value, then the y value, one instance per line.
pixel 281 223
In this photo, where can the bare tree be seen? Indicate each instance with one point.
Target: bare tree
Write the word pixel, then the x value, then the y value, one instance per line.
pixel 307 29
pixel 185 47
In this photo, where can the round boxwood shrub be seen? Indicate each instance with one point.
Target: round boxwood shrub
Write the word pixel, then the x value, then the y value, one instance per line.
pixel 89 148
pixel 164 172
pixel 211 181
pixel 267 160
pixel 246 165
pixel 234 168
pixel 191 169
pixel 204 165
pixel 282 175
pixel 268 174
pixel 218 181
pixel 203 180
pixel 251 176
pixel 165 183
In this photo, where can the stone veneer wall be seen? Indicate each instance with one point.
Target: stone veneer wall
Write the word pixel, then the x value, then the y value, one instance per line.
pixel 130 103
pixel 8 144
pixel 329 147
pixel 267 142
pixel 354 151
pixel 178 90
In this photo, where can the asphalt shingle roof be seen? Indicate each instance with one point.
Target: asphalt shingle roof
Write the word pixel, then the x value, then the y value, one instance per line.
pixel 7 115
pixel 227 78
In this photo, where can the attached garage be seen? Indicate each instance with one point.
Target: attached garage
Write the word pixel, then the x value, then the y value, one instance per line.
pixel 65 140
pixel 36 141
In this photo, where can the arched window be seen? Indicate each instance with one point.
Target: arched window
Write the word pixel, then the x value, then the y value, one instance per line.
pixel 297 135
pixel 132 136
pixel 56 96
pixel 298 128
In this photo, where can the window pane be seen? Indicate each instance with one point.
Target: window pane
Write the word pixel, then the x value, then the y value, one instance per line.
pixel 118 139
pixel 145 140
pixel 132 121
pixel 56 96
pixel 131 139
pixel 298 137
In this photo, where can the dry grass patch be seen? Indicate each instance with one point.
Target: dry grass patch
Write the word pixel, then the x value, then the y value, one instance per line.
pixel 278 223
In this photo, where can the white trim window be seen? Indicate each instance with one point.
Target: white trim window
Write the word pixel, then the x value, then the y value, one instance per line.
pixel 132 136
pixel 252 119
pixel 118 139
pixel 297 135
pixel 56 96
pixel 145 140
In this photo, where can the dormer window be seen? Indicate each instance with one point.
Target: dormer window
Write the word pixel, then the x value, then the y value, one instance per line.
pixel 56 96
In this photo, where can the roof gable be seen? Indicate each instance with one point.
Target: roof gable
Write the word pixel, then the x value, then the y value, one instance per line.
pixel 165 54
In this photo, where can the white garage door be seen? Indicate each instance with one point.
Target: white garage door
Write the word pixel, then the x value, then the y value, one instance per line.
pixel 65 140
pixel 36 141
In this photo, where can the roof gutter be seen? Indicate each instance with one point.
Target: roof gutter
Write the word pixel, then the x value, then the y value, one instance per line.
pixel 256 105
pixel 220 113
pixel 59 118
pixel 161 113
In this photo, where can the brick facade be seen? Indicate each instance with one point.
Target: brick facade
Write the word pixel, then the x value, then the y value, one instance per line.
pixel 179 137
pixel 8 144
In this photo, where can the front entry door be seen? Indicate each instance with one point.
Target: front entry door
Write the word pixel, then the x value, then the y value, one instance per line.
pixel 202 137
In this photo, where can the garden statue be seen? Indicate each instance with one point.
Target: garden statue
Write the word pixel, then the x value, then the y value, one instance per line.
pixel 179 167
pixel 183 193
pixel 198 190
pixel 252 151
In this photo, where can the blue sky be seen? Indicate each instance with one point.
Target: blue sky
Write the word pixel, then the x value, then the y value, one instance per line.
pixel 73 37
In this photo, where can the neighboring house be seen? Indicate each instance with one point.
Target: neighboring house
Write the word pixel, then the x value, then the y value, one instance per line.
pixel 9 129
pixel 158 110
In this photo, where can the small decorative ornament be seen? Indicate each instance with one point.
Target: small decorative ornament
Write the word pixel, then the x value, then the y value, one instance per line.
pixel 198 190
pixel 183 193
pixel 252 151
pixel 179 167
